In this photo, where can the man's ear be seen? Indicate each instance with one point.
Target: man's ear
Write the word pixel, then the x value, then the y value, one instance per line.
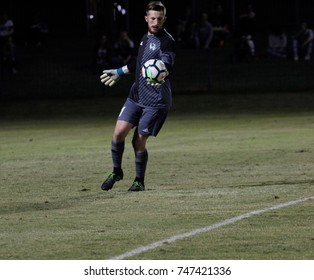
pixel 146 18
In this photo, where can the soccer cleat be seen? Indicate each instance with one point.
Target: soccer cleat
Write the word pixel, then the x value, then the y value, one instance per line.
pixel 112 178
pixel 137 187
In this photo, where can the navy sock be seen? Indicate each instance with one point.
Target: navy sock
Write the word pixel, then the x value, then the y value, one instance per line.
pixel 117 150
pixel 118 171
pixel 141 159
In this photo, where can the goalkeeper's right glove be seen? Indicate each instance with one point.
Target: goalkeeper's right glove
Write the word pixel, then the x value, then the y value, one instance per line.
pixel 112 76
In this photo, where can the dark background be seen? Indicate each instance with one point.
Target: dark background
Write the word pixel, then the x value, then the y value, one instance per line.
pixel 70 17
pixel 63 67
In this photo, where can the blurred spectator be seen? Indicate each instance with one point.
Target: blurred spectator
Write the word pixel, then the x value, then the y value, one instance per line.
pixel 7 46
pixel 124 50
pixel 183 27
pixel 102 56
pixel 247 26
pixel 302 42
pixel 277 42
pixel 38 31
pixel 220 26
pixel 202 32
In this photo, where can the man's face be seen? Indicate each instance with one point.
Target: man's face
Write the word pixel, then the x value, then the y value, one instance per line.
pixel 155 21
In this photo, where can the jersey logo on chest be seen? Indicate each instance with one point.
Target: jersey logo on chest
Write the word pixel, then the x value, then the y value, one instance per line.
pixel 152 46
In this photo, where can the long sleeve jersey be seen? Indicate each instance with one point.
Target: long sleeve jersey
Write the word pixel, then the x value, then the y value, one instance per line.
pixel 160 46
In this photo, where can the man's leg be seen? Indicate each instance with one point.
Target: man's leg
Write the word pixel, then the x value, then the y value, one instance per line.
pixel 141 159
pixel 117 148
pixel 308 53
pixel 295 49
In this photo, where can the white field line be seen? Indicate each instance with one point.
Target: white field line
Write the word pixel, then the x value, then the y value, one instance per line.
pixel 208 228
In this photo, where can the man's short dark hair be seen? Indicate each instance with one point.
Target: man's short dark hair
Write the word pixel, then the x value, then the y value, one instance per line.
pixel 156 6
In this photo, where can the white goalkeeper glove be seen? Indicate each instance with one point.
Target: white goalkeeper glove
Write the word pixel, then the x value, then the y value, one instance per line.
pixel 112 76
pixel 153 83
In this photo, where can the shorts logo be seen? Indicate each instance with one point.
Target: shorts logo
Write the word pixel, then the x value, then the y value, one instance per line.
pixel 152 46
pixel 146 130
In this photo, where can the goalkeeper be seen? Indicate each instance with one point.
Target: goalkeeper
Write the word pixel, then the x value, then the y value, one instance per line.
pixel 148 103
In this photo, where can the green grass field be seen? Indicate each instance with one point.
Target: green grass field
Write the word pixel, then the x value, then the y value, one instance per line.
pixel 217 157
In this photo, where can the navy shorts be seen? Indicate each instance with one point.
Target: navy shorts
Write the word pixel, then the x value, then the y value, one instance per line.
pixel 148 120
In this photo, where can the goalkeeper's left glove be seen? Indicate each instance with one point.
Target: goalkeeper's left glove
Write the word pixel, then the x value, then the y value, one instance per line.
pixel 153 83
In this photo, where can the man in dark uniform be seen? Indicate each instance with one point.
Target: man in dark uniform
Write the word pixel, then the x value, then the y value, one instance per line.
pixel 148 103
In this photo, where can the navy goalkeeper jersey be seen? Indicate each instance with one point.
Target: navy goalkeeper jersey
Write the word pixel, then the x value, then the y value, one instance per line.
pixel 160 46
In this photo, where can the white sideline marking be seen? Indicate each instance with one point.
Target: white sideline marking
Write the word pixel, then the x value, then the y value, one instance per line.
pixel 208 228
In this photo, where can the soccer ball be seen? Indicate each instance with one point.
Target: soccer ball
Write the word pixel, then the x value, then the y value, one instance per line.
pixel 154 70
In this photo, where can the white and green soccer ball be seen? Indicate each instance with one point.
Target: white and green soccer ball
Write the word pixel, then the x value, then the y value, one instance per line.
pixel 154 70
